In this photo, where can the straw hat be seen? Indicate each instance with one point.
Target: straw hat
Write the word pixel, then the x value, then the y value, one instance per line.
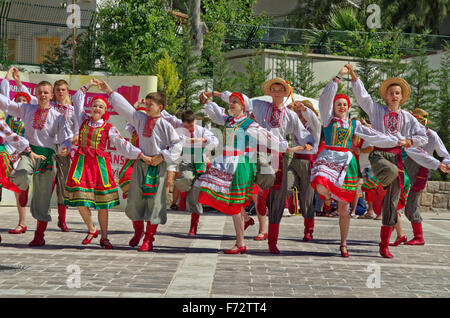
pixel 421 116
pixel 406 90
pixel 266 85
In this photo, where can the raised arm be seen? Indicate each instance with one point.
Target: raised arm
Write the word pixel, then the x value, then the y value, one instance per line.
pixel 78 101
pixel 120 104
pixel 362 97
pixel 22 88
pixel 326 102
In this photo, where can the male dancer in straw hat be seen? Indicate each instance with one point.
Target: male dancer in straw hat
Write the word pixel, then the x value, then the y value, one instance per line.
pixel 387 164
pixel 300 166
pixel 281 121
pixel 417 165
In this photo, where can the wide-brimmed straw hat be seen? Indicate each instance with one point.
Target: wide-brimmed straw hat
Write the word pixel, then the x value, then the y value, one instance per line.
pixel 277 80
pixel 406 90
pixel 421 115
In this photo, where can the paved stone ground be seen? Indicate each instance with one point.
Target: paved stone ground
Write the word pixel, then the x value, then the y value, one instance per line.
pixel 181 266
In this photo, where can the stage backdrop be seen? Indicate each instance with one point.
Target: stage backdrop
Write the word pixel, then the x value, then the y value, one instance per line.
pixel 131 87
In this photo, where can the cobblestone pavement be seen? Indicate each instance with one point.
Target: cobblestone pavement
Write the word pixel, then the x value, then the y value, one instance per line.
pixel 181 266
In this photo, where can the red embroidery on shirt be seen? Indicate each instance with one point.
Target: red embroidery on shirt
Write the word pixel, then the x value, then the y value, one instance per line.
pixel 40 116
pixel 149 126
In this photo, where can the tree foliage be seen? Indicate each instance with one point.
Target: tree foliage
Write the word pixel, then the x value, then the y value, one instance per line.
pixel 134 34
pixel 169 82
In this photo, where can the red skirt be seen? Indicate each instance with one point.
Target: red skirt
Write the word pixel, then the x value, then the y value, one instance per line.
pixel 91 183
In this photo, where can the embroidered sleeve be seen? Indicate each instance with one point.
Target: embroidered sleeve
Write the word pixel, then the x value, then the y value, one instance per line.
pixel 216 113
pixel 10 107
pixel 423 158
pixel 440 149
pixel 122 145
pixel 18 142
pixel 4 88
pixel 375 137
pixel 363 98
pixel 78 101
pixel 124 108
pixel 173 120
pixel 326 102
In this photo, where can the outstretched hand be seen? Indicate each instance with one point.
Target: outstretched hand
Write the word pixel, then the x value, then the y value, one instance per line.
pixel 34 156
pixel 444 168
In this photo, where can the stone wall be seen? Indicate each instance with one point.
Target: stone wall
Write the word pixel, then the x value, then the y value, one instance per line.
pixel 436 196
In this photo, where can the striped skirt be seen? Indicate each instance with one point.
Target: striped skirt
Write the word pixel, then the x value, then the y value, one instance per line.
pixel 225 192
pixel 337 171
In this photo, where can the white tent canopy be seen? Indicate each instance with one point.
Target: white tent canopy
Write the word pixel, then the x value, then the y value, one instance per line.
pixel 287 101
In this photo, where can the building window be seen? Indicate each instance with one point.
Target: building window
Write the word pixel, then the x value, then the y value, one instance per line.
pixel 12 50
pixel 44 47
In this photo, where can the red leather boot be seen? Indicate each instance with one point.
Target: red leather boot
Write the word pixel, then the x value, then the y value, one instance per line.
pixel 262 199
pixel 62 218
pixel 418 235
pixel 385 235
pixel 309 229
pixel 378 197
pixel 138 233
pixel 273 238
pixel 39 234
pixel 23 197
pixel 147 244
pixel 194 223
pixel 182 205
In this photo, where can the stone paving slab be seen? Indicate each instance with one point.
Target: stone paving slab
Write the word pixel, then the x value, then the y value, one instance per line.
pixel 185 267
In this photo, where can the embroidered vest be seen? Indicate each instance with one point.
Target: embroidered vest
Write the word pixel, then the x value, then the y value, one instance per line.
pixel 336 136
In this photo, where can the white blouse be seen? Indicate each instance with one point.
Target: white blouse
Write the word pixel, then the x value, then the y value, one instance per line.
pixel 115 139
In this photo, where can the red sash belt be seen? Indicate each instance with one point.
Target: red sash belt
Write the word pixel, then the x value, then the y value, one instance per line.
pixel 398 152
pixel 421 180
pixel 237 152
pixel 304 156
pixel 341 149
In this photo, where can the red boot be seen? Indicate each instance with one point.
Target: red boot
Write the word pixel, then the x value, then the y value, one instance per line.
pixel 309 228
pixel 248 223
pixel 385 235
pixel 418 235
pixel 147 244
pixel 399 241
pixel 138 233
pixel 182 205
pixel 378 197
pixel 194 223
pixel 262 199
pixel 273 238
pixel 23 197
pixel 39 234
pixel 62 218
pixel 291 203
